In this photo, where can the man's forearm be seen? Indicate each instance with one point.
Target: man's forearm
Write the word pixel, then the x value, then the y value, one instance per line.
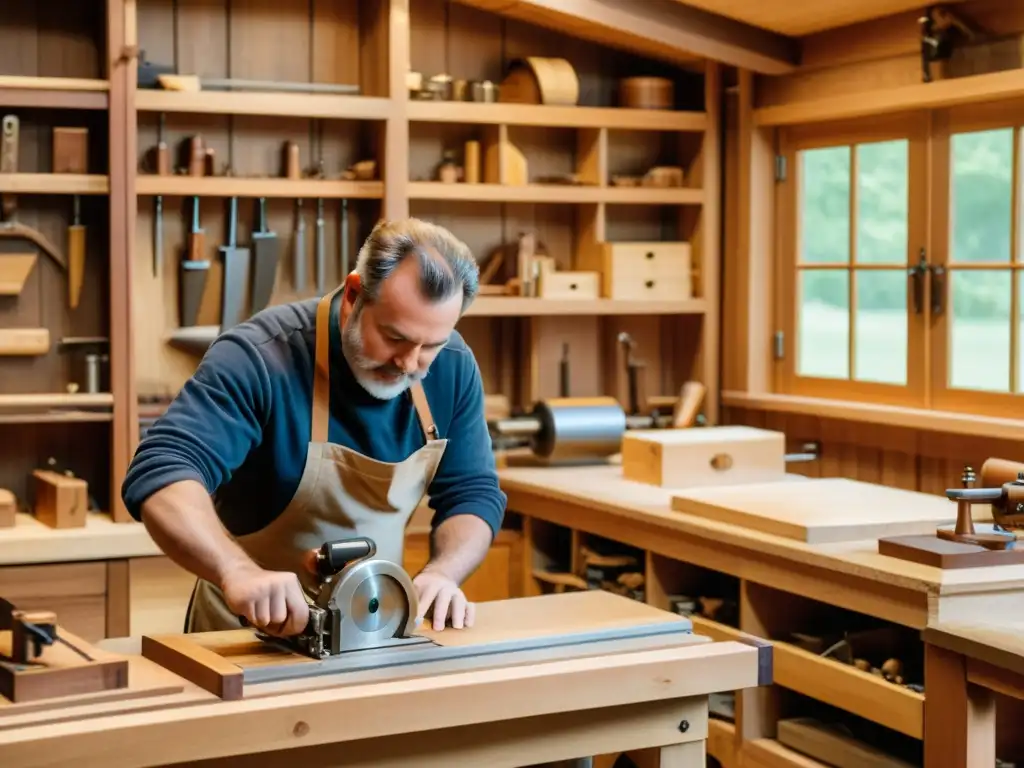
pixel 458 546
pixel 183 523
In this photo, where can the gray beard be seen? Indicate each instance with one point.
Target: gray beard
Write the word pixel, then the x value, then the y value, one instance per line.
pixel 362 367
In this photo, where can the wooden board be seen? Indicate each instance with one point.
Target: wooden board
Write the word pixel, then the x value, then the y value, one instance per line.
pixel 63 672
pixel 941 553
pixel 216 661
pixel 833 747
pixel 823 511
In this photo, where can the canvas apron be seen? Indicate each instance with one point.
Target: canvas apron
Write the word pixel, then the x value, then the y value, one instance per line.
pixel 341 494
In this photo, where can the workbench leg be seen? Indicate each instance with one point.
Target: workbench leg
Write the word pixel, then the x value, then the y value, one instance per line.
pixel 689 755
pixel 959 718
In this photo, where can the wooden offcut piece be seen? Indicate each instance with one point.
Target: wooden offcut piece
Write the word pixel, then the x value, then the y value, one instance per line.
pixel 24 342
pixel 822 511
pixel 14 271
pixel 61 501
pixel 942 553
pixel 691 458
pixel 71 150
pixel 216 661
pixel 8 508
pixel 59 671
pixel 831 746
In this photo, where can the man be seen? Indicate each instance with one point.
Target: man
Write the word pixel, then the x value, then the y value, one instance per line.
pixel 317 420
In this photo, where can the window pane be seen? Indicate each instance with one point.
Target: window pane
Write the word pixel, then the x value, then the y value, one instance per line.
pixel 825 205
pixel 1020 331
pixel 979 340
pixel 982 172
pixel 882 202
pixel 823 323
pixel 880 325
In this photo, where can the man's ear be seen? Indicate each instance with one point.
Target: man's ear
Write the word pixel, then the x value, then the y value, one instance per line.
pixel 352 286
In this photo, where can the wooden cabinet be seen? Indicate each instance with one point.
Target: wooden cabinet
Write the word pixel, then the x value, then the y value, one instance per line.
pixel 495 579
pixel 76 592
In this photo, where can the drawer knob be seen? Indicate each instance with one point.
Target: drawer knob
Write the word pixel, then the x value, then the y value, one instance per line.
pixel 721 461
pixel 649 283
pixel 572 286
pixel 650 254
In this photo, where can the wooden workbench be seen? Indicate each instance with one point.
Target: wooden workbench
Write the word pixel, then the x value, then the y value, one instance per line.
pixel 974 661
pixel 511 709
pixel 774 574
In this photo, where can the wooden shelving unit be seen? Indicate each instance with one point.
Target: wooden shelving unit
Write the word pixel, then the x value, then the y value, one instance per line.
pixel 515 338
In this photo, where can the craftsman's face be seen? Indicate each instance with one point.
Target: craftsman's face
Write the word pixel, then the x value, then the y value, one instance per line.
pixel 391 343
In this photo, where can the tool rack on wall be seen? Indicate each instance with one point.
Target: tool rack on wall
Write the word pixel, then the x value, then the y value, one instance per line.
pixel 375 152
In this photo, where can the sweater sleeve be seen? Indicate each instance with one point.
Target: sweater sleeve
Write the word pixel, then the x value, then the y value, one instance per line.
pixel 466 482
pixel 209 428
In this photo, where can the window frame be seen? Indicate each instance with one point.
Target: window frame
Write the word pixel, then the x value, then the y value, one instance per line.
pixel 792 140
pixel 946 123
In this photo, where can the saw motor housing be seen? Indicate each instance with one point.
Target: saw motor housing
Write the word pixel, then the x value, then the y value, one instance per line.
pixel 363 602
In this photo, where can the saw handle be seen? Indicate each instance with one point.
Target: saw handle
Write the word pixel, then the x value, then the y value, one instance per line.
pixel 335 555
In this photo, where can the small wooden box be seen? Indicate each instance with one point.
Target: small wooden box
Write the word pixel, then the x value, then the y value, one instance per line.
pixel 703 456
pixel 8 508
pixel 553 284
pixel 61 501
pixel 70 150
pixel 654 271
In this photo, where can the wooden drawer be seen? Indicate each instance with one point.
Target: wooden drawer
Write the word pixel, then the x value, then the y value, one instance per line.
pixel 76 592
pixel 655 271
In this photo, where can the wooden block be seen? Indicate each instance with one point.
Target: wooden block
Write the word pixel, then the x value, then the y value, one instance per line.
pixel 71 150
pixel 8 508
pixel 60 671
pixel 24 342
pixel 687 458
pixel 14 271
pixel 833 747
pixel 822 510
pixel 61 501
pixel 941 553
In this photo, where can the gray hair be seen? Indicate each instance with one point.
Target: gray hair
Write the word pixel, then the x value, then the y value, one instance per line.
pixel 446 264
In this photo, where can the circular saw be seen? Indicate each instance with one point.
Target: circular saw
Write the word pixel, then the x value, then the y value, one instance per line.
pixel 362 603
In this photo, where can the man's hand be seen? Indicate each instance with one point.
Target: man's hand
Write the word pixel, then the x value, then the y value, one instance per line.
pixel 269 600
pixel 437 590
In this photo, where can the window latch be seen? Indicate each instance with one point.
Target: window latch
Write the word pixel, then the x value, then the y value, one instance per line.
pixel 917 275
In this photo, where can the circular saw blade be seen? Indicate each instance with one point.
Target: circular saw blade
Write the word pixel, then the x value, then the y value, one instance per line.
pixel 378 603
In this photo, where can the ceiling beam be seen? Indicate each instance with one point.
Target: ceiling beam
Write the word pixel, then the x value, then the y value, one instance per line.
pixel 664 29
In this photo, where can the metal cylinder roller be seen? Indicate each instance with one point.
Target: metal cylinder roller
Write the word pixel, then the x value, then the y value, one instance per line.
pixel 561 429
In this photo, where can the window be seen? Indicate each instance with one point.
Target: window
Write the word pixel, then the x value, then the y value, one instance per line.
pixel 851 241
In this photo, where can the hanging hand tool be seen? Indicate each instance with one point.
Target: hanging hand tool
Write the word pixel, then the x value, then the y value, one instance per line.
pixel 76 255
pixel 265 257
pixel 194 271
pixel 236 273
pixel 319 234
pixel 293 170
pixel 632 372
pixel 343 267
pixel 563 372
pixel 163 168
pixel 9 133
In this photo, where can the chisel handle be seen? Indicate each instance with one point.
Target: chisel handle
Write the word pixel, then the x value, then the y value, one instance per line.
pixel 196 246
pixel 76 263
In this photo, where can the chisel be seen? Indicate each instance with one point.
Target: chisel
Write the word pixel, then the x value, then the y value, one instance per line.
pixel 299 266
pixel 194 271
pixel 343 267
pixel 76 254
pixel 320 266
pixel 236 273
pixel 265 256
pixel 163 168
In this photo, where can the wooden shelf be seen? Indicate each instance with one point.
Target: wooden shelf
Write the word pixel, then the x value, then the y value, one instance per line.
pixel 889 415
pixel 54 183
pixel 232 186
pixel 849 688
pixel 54 92
pixel 264 103
pixel 613 118
pixel 552 193
pixel 515 306
pixel 940 93
pixel 721 743
pixel 56 408
pixel 769 753
pixel 55 400
pixel 197 338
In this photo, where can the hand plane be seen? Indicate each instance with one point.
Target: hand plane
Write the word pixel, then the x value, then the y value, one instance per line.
pixel 362 602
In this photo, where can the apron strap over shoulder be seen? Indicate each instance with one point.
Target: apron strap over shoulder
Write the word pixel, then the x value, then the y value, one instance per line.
pixel 419 401
pixel 321 411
